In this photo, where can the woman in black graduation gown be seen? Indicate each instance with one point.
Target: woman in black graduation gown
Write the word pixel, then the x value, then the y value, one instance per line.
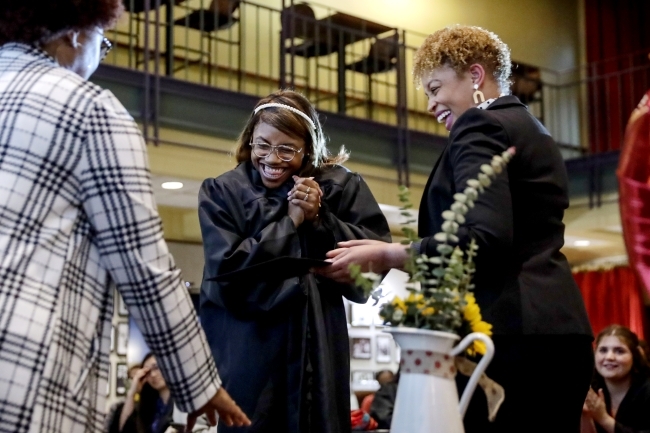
pixel 523 282
pixel 278 331
pixel 619 401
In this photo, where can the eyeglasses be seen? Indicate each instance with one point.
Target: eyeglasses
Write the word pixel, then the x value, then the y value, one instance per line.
pixel 105 48
pixel 285 153
pixel 153 368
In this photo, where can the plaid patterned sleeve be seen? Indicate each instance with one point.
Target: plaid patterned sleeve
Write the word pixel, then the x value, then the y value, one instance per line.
pixel 118 199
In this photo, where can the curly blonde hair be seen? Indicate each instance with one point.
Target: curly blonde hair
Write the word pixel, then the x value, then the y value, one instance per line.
pixel 459 47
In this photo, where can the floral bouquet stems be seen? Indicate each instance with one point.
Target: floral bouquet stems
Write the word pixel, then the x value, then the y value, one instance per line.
pixel 440 287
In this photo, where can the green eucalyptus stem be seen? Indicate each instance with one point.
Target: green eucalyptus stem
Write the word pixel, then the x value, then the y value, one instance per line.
pixel 444 279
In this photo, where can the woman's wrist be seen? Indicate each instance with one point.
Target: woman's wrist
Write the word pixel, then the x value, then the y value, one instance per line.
pixel 606 421
pixel 395 256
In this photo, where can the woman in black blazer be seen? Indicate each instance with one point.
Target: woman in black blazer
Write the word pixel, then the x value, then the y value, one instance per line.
pixel 523 282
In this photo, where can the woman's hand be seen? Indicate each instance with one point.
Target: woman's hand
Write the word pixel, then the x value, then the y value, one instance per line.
pixel 371 255
pixel 595 407
pixel 305 196
pixel 138 381
pixel 223 405
pixel 139 378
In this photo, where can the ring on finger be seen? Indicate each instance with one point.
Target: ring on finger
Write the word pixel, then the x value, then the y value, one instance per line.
pixel 308 189
pixel 306 197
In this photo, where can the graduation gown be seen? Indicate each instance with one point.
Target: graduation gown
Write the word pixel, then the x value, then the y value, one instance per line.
pixel 279 334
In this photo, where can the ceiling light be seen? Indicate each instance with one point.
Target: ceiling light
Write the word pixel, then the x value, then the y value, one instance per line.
pixel 581 243
pixel 172 185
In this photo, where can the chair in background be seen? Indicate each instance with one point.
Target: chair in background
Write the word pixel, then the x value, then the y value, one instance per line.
pixel 299 22
pixel 135 8
pixel 382 57
pixel 316 38
pixel 220 15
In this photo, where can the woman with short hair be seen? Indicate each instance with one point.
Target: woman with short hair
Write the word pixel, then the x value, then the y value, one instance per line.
pixel 523 282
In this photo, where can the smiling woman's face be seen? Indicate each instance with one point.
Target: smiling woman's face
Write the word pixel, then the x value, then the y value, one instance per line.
pixel 273 170
pixel 613 358
pixel 449 95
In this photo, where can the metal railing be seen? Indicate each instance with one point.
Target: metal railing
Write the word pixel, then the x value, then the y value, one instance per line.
pixel 350 65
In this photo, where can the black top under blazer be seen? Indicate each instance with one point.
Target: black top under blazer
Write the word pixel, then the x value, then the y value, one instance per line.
pixel 523 282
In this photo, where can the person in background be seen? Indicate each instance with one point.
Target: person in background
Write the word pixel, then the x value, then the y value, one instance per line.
pixel 382 377
pixel 112 421
pixel 383 403
pixel 77 218
pixel 279 332
pixel 523 283
pixel 149 405
pixel 619 400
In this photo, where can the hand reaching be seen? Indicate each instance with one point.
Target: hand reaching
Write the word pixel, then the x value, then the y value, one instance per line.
pixel 225 407
pixel 371 255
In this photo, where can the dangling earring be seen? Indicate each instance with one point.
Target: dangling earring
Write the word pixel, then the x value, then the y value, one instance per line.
pixel 478 95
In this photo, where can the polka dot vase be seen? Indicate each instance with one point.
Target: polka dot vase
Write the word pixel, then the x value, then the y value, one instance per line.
pixel 427 400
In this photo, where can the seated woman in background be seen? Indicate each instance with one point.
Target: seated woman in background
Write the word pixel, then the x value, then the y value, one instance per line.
pixel 148 407
pixel 276 330
pixel 112 421
pixel 620 398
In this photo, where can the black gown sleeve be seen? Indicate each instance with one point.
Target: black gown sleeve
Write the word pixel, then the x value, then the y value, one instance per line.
pixel 473 143
pixel 238 235
pixel 348 212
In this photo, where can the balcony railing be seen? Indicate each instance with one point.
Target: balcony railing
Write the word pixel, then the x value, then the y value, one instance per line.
pixel 353 66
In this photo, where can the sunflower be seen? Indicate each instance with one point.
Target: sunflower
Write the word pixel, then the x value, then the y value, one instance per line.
pixel 472 314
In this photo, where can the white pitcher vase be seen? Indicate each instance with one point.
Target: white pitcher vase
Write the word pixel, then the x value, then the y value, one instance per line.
pixel 427 400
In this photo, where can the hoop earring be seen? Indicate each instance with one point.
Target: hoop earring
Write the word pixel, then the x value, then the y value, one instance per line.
pixel 478 95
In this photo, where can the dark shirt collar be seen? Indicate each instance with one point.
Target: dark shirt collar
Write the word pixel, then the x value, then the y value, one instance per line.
pixel 505 101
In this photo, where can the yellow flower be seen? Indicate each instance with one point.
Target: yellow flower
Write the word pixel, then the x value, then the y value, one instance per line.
pixel 478 347
pixel 399 304
pixel 414 298
pixel 429 311
pixel 472 312
pixel 481 326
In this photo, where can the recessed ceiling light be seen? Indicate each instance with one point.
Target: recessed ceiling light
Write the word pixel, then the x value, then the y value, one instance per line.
pixel 172 185
pixel 581 243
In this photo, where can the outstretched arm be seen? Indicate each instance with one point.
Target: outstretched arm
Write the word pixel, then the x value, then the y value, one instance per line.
pixel 117 197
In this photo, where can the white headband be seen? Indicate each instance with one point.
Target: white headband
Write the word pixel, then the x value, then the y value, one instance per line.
pixel 295 110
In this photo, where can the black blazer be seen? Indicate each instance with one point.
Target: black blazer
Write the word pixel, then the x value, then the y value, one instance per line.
pixel 523 283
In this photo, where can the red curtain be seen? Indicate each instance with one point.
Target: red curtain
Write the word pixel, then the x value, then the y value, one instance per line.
pixel 618 42
pixel 612 296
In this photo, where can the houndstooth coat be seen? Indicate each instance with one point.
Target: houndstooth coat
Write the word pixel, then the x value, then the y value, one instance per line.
pixel 77 216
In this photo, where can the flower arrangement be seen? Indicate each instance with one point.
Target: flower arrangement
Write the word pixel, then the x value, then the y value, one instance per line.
pixel 440 289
